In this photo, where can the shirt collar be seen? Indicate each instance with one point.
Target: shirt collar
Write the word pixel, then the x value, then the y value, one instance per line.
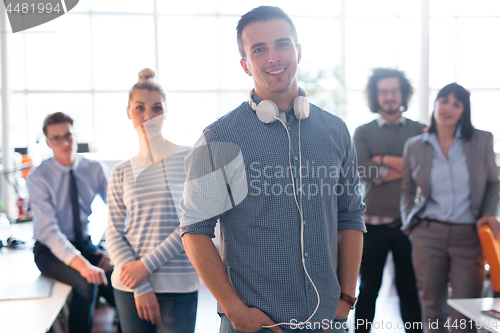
pixel 381 121
pixel 65 168
pixel 257 100
pixel 427 136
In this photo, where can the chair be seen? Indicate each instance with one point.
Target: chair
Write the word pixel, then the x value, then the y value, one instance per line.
pixel 491 249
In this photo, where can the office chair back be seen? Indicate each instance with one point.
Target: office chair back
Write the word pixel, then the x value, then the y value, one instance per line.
pixel 491 249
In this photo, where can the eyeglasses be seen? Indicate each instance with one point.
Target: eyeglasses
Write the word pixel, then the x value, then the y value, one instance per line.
pixel 59 139
pixel 393 92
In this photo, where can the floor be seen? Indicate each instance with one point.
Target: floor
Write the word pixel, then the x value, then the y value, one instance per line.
pixel 104 316
pixel 208 320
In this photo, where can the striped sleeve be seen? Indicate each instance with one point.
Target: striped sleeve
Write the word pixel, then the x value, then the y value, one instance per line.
pixel 170 248
pixel 118 248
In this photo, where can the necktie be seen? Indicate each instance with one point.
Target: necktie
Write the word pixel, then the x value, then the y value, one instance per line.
pixel 77 223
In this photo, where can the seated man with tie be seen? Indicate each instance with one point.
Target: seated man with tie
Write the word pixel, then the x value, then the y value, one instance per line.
pixel 62 189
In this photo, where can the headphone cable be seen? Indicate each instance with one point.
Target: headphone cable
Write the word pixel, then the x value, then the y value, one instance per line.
pixel 299 207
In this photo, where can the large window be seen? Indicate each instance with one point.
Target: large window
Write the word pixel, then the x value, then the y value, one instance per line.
pixel 84 62
pixel 463 48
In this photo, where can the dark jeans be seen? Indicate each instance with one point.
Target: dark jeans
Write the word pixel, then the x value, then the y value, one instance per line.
pixel 178 313
pixel 378 241
pixel 81 312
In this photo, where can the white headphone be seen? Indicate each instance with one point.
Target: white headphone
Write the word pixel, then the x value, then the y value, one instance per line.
pixel 267 111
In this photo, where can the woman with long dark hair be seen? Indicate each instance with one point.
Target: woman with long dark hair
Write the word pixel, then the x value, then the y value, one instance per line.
pixel 450 187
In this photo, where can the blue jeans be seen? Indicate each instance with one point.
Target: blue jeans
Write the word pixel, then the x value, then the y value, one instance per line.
pixel 338 326
pixel 178 313
pixel 81 311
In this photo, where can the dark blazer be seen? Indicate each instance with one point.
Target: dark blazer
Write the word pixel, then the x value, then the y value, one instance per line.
pixel 483 176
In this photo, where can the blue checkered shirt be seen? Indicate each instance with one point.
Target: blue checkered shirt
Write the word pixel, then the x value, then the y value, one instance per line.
pixel 260 234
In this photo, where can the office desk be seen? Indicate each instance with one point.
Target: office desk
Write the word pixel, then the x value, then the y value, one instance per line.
pixel 37 315
pixel 472 307
pixel 27 315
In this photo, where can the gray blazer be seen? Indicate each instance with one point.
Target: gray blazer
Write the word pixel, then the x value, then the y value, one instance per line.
pixel 483 176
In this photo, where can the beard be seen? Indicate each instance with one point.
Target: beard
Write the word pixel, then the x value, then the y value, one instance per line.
pixel 281 85
pixel 390 112
pixel 277 86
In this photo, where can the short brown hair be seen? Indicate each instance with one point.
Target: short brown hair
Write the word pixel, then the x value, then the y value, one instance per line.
pixel 56 118
pixel 262 14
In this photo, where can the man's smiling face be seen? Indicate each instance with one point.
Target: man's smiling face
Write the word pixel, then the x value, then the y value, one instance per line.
pixel 271 57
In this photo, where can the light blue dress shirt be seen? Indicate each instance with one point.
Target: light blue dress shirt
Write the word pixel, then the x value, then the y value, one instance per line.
pixel 48 186
pixel 449 198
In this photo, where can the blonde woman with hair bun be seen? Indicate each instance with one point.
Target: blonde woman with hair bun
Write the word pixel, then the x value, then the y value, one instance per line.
pixel 155 285
pixel 146 73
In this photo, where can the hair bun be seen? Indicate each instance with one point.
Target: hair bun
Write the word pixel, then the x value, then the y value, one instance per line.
pixel 146 74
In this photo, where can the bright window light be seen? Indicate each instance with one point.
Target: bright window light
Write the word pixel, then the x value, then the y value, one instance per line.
pixel 85 62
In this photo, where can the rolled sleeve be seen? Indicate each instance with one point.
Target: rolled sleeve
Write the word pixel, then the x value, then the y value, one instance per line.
pixel 204 228
pixel 351 208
